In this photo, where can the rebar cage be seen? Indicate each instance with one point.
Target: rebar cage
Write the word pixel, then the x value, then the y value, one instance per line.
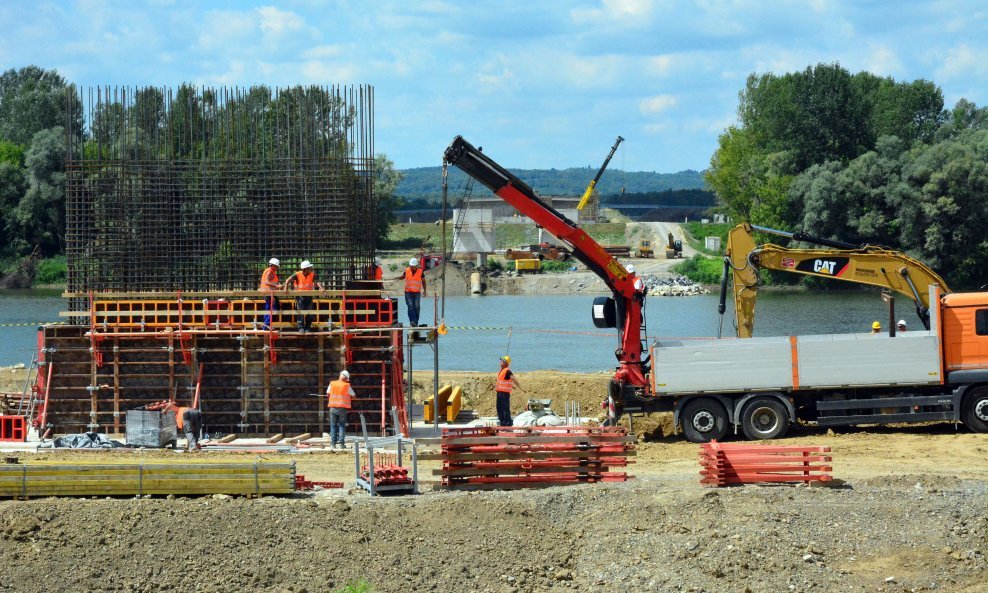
pixel 195 189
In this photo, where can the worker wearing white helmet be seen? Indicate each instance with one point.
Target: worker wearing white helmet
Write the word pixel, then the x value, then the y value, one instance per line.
pixel 900 326
pixel 340 395
pixel 269 284
pixel 414 290
pixel 375 271
pixel 304 279
pixel 638 283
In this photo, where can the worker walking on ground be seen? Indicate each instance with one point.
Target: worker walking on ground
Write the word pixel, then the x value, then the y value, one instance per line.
pixel 506 382
pixel 189 421
pixel 304 279
pixel 876 327
pixel 414 290
pixel 340 395
pixel 270 284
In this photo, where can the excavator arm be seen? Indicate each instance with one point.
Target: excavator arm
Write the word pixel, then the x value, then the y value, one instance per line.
pixel 865 264
pixel 516 192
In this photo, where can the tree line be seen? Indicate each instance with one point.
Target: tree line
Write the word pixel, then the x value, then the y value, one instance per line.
pixel 862 159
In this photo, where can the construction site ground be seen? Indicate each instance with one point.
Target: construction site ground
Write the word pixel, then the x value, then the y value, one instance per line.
pixel 911 516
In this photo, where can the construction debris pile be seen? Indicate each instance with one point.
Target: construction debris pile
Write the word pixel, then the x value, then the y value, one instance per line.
pixel 675 286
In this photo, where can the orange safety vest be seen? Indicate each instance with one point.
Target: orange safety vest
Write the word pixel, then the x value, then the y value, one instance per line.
pixel 504 384
pixel 269 276
pixel 305 281
pixel 375 273
pixel 339 394
pixel 180 417
pixel 413 280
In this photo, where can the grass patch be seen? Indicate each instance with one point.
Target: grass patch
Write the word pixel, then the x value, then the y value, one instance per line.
pixel 702 269
pixel 361 586
pixel 697 232
pixel 551 265
pixel 414 235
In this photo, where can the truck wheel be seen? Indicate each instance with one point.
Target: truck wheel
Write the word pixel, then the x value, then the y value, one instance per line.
pixel 974 410
pixel 764 418
pixel 704 419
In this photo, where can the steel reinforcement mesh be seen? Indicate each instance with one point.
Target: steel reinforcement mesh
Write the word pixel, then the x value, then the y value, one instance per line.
pixel 195 189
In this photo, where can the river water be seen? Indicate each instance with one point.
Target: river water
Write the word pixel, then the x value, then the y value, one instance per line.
pixel 544 331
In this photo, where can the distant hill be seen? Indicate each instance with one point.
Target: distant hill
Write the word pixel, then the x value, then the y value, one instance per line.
pixel 426 182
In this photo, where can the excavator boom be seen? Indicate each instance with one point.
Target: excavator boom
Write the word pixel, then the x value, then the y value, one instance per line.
pixel 600 173
pixel 869 265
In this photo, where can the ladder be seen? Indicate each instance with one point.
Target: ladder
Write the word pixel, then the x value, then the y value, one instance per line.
pixel 458 224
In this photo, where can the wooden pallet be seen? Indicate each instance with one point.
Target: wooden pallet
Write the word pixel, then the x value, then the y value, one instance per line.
pixel 40 479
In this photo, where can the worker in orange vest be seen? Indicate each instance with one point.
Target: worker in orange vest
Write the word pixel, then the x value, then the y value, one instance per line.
pixel 304 279
pixel 375 271
pixel 269 284
pixel 506 383
pixel 340 395
pixel 189 421
pixel 414 290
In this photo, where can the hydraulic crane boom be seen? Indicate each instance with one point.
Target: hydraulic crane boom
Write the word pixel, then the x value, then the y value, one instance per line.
pixel 631 374
pixel 600 173
pixel 864 264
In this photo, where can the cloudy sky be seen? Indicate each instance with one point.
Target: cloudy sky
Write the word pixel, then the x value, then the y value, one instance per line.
pixel 538 83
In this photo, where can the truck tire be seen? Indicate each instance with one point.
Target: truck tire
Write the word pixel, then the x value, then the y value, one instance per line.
pixel 974 410
pixel 764 418
pixel 704 419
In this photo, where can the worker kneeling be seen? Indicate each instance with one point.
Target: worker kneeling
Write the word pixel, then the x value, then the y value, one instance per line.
pixel 340 395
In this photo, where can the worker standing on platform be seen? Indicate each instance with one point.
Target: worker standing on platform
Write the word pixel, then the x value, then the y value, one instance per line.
pixel 189 421
pixel 269 284
pixel 375 271
pixel 506 382
pixel 304 279
pixel 414 290
pixel 340 395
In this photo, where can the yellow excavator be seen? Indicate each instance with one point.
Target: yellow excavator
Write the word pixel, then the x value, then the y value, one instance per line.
pixel 861 264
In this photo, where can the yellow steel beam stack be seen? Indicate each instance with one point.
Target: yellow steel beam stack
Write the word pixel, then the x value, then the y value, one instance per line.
pixel 39 479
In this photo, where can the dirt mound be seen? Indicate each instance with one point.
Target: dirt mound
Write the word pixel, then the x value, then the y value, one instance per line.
pixel 651 534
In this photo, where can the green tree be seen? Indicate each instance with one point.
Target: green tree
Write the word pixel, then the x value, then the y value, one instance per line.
pixel 386 179
pixel 12 186
pixel 38 219
pixel 33 99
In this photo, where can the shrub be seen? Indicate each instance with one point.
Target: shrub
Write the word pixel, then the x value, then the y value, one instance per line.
pixel 705 270
pixel 51 271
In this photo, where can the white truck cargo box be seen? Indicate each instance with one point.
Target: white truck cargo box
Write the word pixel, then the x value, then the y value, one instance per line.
pixel 689 366
pixel 836 360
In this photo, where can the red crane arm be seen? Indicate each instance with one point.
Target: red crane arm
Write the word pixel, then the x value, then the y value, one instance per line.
pixel 516 192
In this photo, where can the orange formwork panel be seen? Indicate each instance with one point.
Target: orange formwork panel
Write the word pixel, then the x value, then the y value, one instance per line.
pixel 740 463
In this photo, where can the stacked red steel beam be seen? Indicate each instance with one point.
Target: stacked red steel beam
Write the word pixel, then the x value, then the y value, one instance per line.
pixel 532 457
pixel 740 463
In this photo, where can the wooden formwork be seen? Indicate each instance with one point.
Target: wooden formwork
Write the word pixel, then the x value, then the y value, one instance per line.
pixel 248 381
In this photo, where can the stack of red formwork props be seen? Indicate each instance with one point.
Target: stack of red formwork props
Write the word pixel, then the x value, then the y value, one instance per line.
pixel 302 484
pixel 740 463
pixel 532 457
pixel 387 473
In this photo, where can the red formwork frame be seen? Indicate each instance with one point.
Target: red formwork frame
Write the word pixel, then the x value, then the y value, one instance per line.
pixel 526 457
pixel 724 464
pixel 13 428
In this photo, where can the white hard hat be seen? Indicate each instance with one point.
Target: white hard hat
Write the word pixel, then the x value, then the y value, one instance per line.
pixel 345 375
pixel 901 323
pixel 413 262
pixel 377 260
pixel 306 265
pixel 274 261
pixel 631 269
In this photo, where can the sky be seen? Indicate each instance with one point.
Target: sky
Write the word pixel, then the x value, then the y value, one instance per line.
pixel 537 83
